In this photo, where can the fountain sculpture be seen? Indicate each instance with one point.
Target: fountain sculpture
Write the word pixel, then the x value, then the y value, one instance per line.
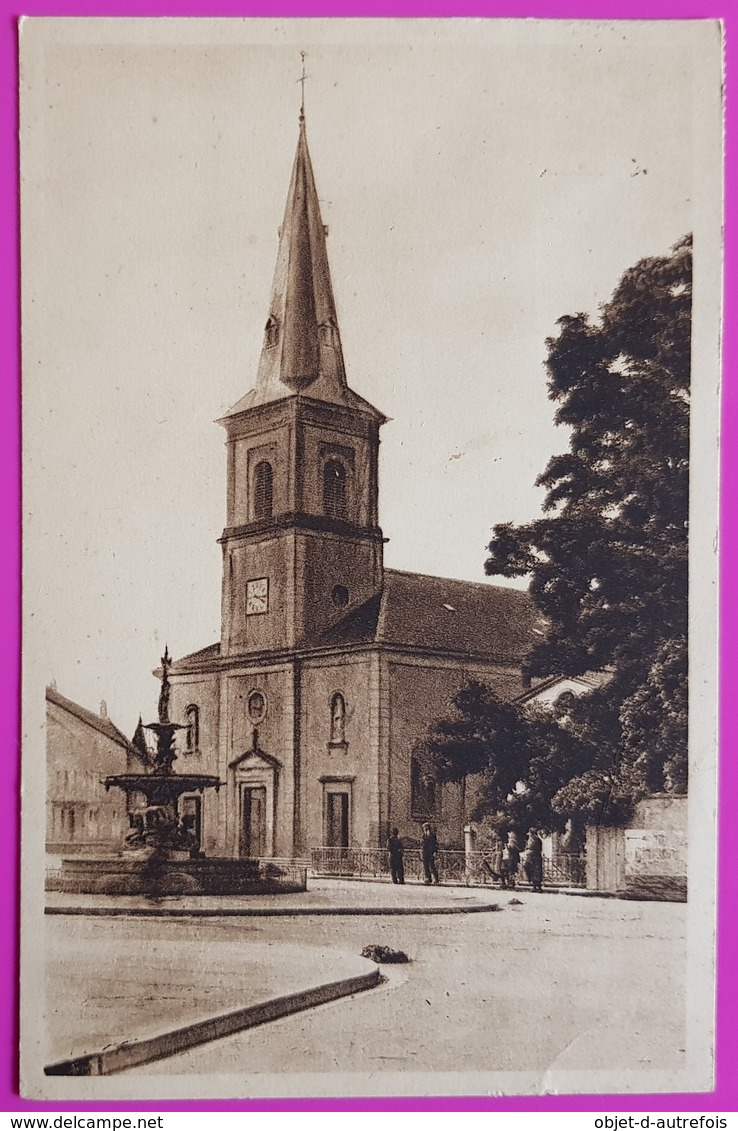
pixel 157 833
pixel 161 853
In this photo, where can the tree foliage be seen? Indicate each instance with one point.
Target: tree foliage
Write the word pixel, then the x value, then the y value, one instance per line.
pixel 607 565
pixel 481 735
pixel 608 561
pixel 654 722
pixel 519 756
pixel 598 797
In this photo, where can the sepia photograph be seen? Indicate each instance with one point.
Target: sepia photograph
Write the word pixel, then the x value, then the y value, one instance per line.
pixel 370 397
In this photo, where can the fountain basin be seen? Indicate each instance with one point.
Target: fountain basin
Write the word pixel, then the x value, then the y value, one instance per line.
pixel 125 874
pixel 163 789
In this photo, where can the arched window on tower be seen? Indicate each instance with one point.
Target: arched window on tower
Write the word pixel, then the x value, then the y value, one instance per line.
pixel 192 734
pixel 263 490
pixel 334 489
pixel 338 720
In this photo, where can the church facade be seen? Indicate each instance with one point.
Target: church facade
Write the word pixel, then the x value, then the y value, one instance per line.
pixel 329 667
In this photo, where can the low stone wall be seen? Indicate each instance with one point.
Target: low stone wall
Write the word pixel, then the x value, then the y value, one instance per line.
pixel 646 860
pixel 656 849
pixel 119 875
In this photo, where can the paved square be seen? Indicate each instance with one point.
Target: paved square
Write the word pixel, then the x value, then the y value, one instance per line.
pixel 555 983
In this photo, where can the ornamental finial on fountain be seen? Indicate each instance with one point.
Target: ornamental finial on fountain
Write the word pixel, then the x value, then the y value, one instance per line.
pixel 166 661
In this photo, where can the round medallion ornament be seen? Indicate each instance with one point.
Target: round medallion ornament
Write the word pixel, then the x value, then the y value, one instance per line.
pixel 257 706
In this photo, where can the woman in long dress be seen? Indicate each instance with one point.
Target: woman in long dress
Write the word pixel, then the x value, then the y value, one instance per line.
pixel 533 865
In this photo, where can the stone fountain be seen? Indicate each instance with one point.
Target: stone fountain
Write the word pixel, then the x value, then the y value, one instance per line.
pixel 157 833
pixel 161 854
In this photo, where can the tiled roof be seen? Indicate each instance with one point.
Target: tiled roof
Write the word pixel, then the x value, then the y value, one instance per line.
pixel 357 627
pixel 443 615
pixel 210 653
pixel 440 614
pixel 97 722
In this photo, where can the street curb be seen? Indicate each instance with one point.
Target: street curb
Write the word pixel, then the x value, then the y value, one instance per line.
pixel 631 896
pixel 131 1054
pixel 588 893
pixel 264 912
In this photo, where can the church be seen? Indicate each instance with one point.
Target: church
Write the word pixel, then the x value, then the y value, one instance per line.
pixel 329 667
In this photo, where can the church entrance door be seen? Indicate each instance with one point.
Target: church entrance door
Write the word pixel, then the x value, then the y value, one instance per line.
pixel 337 820
pixel 253 820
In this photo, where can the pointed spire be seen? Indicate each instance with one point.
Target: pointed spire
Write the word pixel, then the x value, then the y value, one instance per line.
pixel 301 344
pixel 302 351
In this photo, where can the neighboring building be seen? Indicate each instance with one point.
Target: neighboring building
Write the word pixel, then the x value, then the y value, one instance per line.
pixel 548 691
pixel 82 748
pixel 329 667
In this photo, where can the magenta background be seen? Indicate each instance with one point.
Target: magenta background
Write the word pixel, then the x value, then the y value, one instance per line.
pixel 726 1094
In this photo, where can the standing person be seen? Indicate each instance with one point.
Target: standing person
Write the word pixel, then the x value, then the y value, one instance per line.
pixel 396 852
pixel 429 848
pixel 533 866
pixel 510 861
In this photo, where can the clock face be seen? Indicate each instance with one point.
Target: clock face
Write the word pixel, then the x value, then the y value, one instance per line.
pixel 257 596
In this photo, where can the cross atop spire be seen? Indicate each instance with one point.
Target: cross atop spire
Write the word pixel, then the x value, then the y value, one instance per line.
pixel 302 83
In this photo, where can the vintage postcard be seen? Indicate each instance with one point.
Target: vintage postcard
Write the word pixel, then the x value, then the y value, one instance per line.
pixel 370 397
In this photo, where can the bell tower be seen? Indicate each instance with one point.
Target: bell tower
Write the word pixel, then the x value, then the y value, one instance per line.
pixel 302 547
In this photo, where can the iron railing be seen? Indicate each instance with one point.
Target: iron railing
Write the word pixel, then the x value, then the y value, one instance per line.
pixel 561 870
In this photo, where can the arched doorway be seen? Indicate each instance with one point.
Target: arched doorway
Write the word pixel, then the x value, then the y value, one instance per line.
pixel 253 781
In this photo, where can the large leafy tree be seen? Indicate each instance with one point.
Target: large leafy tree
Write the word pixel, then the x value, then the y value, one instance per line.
pixel 522 760
pixel 608 561
pixel 607 565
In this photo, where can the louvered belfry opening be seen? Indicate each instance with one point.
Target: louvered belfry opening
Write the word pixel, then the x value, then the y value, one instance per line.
pixel 263 490
pixel 334 489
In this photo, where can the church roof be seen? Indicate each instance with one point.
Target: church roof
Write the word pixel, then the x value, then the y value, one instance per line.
pixel 97 722
pixel 211 652
pixel 443 614
pixel 439 614
pixel 302 351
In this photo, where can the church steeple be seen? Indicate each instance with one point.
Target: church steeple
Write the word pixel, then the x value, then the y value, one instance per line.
pixel 301 351
pixel 302 547
pixel 301 341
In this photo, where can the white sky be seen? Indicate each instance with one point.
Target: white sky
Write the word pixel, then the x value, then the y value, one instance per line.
pixel 479 182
